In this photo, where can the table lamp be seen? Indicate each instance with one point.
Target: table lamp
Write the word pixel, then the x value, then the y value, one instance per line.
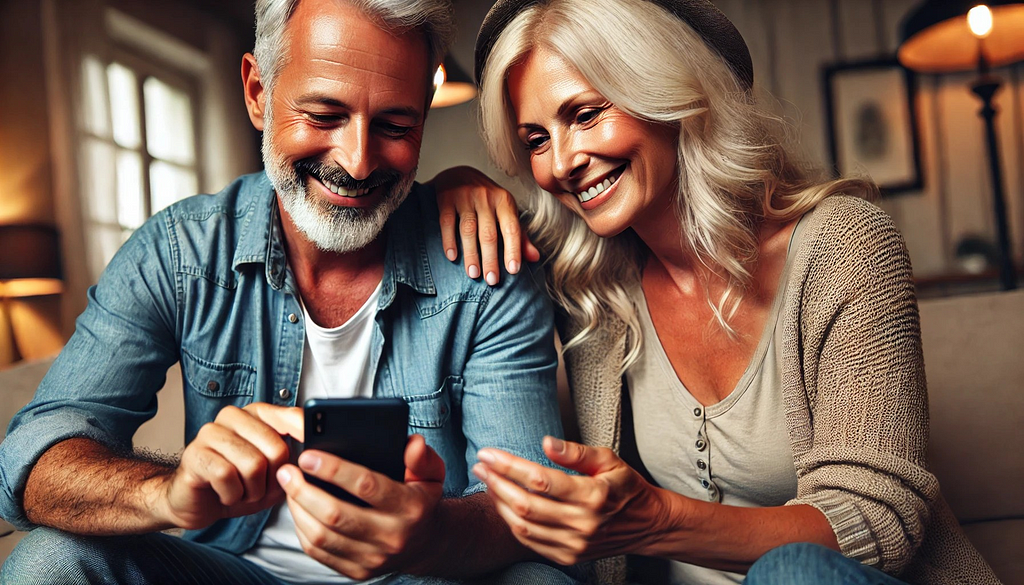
pixel 944 36
pixel 453 85
pixel 29 267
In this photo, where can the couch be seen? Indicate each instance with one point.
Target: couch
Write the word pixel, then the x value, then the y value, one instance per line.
pixel 974 360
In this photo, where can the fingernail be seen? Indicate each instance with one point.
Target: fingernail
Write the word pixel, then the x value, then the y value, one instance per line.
pixel 492 278
pixel 283 477
pixel 309 462
pixel 450 253
pixel 480 471
pixel 513 267
pixel 474 271
pixel 486 457
pixel 557 445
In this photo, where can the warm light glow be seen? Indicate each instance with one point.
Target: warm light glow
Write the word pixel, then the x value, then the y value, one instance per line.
pixel 439 76
pixel 980 20
pixel 30 287
pixel 950 45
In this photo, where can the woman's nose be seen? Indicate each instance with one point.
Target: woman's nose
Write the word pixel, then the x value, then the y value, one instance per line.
pixel 569 159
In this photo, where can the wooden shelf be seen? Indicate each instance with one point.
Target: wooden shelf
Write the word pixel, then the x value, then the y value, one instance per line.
pixel 958 283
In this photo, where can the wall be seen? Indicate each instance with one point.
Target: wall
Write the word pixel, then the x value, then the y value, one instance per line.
pixel 40 44
pixel 26 171
pixel 795 39
pixel 791 41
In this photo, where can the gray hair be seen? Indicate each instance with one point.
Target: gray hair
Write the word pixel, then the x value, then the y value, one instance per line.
pixel 432 17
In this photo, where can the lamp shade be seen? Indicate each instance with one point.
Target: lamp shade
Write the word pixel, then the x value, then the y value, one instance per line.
pixel 935 36
pixel 29 260
pixel 455 85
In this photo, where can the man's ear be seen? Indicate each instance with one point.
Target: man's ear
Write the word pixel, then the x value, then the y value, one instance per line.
pixel 252 88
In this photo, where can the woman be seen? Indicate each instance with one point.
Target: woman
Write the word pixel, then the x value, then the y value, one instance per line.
pixel 766 326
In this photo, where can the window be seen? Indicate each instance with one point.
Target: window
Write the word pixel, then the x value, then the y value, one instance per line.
pixel 138 148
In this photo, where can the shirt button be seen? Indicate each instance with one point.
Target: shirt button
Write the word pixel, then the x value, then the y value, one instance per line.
pixel 705 483
pixel 284 393
pixel 212 385
pixel 696 412
pixel 293 318
pixel 700 444
pixel 701 465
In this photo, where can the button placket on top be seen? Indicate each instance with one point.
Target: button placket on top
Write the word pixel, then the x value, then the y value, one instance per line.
pixel 702 457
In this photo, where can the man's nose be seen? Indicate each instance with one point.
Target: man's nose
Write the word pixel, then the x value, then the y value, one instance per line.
pixel 355 150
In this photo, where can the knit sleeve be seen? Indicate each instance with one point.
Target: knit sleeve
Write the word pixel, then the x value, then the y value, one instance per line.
pixel 859 394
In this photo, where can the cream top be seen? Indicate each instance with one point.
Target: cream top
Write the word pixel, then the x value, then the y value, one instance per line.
pixel 736 452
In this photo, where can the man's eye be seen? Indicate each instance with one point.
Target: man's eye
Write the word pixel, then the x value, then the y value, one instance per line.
pixel 323 119
pixel 394 130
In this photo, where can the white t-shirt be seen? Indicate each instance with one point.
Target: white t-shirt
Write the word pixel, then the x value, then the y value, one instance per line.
pixel 335 364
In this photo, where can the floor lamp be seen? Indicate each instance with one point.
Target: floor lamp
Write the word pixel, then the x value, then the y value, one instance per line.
pixel 29 267
pixel 944 36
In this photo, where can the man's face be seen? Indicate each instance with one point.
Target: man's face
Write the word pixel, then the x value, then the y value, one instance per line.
pixel 344 122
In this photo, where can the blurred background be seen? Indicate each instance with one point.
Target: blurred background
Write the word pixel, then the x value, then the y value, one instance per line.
pixel 112 109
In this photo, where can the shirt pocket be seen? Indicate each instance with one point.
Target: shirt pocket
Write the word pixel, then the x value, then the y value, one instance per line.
pixel 216 380
pixel 432 411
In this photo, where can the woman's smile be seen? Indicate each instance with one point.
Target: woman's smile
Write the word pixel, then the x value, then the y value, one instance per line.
pixel 611 168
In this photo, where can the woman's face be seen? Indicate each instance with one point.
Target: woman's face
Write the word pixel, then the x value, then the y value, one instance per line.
pixel 612 169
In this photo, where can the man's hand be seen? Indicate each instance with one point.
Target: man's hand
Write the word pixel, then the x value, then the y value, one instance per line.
pixel 229 469
pixel 396 533
pixel 481 206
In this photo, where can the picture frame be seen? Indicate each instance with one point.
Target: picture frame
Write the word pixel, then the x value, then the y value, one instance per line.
pixel 872 123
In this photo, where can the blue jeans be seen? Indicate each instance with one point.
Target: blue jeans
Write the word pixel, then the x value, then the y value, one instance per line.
pixel 52 557
pixel 804 563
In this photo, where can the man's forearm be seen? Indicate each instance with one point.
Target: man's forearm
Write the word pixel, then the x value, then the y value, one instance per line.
pixel 474 540
pixel 80 486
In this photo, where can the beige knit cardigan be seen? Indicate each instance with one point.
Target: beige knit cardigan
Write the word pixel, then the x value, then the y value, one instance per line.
pixel 855 399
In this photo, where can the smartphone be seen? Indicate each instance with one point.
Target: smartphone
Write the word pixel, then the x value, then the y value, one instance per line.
pixel 371 432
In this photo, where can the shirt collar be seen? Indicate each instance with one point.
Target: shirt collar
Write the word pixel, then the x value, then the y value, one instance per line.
pixel 259 240
pixel 406 258
pixel 407 261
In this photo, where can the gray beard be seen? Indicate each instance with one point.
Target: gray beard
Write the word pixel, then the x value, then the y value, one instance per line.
pixel 329 227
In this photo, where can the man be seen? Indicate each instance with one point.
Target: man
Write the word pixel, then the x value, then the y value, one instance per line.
pixel 312 280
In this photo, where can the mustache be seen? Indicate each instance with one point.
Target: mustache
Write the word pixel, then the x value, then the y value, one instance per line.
pixel 337 175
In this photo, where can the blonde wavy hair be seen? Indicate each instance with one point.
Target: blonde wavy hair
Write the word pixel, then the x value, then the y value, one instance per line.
pixel 733 170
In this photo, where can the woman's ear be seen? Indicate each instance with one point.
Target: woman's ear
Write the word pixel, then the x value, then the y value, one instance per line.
pixel 252 88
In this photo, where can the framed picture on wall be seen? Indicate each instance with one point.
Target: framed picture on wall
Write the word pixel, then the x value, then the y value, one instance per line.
pixel 872 127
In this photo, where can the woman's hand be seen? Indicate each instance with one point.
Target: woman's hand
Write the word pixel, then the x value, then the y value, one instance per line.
pixel 482 206
pixel 609 510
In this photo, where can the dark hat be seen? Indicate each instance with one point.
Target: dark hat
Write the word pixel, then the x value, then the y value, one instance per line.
pixel 702 16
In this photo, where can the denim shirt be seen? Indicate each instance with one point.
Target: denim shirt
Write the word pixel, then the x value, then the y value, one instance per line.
pixel 206 282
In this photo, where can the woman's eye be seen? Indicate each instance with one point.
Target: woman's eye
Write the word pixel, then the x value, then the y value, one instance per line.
pixel 535 141
pixel 588 115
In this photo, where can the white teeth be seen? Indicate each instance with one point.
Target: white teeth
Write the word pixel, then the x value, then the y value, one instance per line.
pixel 343 191
pixel 596 189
